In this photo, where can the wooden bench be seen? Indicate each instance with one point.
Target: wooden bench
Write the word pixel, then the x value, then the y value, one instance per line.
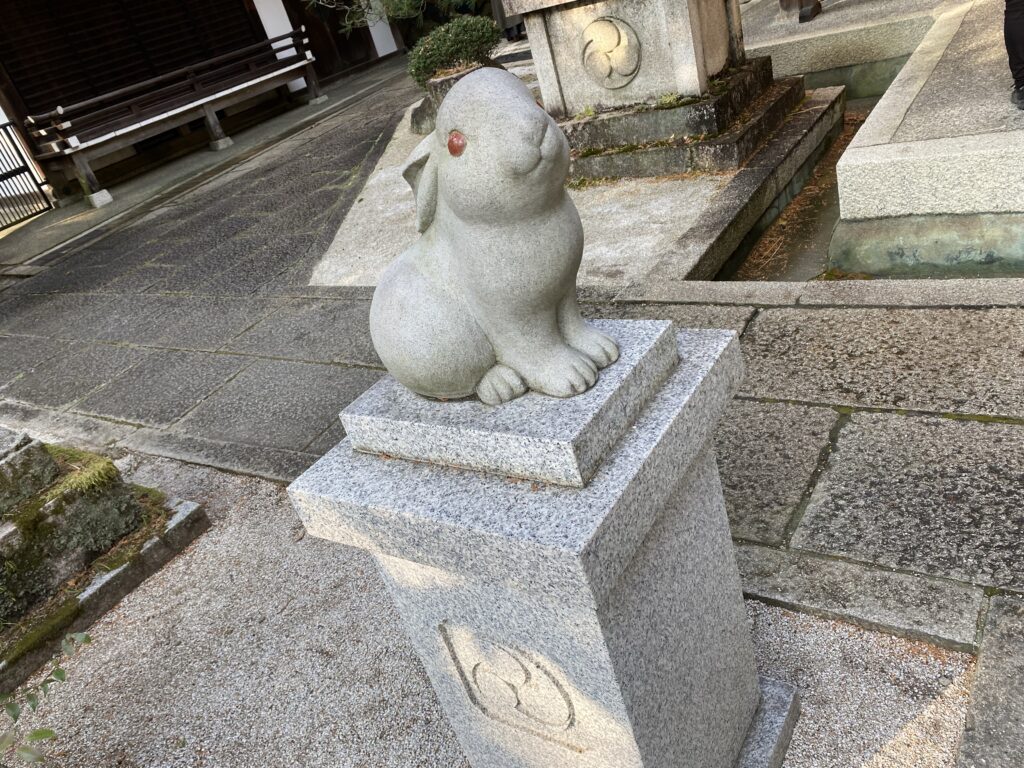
pixel 74 134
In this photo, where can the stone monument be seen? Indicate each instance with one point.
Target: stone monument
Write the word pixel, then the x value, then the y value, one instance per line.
pixel 614 53
pixel 563 566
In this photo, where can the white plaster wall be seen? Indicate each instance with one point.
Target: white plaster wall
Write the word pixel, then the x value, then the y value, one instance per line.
pixel 275 22
pixel 714 24
pixel 383 39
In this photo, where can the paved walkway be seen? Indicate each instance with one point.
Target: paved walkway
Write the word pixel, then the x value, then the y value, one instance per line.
pixel 78 220
pixel 874 462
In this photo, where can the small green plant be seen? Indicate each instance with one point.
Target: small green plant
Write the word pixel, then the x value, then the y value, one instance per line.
pixel 587 111
pixel 462 42
pixel 26 746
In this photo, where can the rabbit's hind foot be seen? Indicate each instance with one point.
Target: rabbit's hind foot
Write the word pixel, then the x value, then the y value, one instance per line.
pixel 500 385
pixel 602 350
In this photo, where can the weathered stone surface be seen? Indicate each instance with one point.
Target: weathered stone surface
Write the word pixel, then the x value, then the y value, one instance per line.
pixel 955 360
pixel 59 531
pixel 611 53
pixel 994 737
pixel 767 453
pixel 162 388
pixel 25 468
pixel 937 611
pixel 61 381
pixel 723 151
pixel 247 409
pixel 711 115
pixel 708 316
pixel 973 245
pixel 978 292
pixel 772 171
pixel 529 437
pixel 926 494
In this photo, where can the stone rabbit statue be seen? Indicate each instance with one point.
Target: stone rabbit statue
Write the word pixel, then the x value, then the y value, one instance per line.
pixel 484 301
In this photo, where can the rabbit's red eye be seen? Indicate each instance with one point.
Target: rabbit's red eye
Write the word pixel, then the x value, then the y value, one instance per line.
pixel 456 143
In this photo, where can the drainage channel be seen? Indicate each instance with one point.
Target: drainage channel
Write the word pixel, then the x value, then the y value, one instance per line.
pixel 792 245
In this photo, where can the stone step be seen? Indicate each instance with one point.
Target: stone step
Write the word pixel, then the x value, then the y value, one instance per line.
pixel 754 197
pixel 646 124
pixel 732 148
pixel 723 152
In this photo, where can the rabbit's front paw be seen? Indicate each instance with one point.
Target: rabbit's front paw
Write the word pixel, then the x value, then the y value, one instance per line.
pixel 563 372
pixel 499 385
pixel 594 344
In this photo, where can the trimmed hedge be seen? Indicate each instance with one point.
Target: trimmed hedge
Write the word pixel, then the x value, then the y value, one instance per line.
pixel 462 42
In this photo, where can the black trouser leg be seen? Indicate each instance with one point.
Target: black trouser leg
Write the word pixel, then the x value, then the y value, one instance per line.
pixel 1014 30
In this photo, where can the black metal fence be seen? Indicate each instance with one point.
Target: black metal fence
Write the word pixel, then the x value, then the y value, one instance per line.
pixel 21 194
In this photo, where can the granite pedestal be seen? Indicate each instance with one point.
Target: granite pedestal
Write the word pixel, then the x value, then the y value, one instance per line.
pixel 564 567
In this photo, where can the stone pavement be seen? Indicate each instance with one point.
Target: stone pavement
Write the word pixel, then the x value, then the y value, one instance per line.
pixel 260 647
pixel 79 220
pixel 874 462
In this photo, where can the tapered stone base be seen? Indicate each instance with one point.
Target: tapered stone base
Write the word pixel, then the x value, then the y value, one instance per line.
pixel 599 626
pixel 99 199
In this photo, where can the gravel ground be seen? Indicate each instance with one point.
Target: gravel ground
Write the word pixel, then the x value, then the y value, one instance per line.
pixel 261 647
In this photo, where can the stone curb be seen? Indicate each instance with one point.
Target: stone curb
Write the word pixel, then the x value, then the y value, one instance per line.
pixel 187 522
pixel 910 293
pixel 938 611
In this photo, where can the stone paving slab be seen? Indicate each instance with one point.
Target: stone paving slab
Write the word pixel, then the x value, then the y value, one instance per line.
pixel 974 68
pixel 933 610
pixel 977 292
pixel 845 34
pixel 767 455
pixel 62 380
pixel 945 361
pixel 925 494
pixel 21 353
pixel 163 387
pixel 278 404
pixel 63 426
pixel 994 737
pixel 71 315
pixel 276 464
pixel 327 330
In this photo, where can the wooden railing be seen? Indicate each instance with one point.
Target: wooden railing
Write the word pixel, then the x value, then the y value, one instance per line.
pixel 68 129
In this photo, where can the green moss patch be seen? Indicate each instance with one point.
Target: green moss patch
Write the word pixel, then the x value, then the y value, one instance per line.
pixel 63 528
pixel 52 618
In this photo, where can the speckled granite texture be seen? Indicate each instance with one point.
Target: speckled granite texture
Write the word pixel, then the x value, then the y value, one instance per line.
pixel 535 436
pixel 533 535
pixel 773 726
pixel 593 627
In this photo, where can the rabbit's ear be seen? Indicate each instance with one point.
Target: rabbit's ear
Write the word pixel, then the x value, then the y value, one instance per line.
pixel 421 172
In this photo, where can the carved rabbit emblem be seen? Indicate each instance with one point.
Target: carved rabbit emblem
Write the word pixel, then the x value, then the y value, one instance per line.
pixel 485 300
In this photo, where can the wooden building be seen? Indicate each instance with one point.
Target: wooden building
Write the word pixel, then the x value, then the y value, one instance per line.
pixel 115 59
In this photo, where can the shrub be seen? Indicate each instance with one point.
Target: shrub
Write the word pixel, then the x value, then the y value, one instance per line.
pixel 462 42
